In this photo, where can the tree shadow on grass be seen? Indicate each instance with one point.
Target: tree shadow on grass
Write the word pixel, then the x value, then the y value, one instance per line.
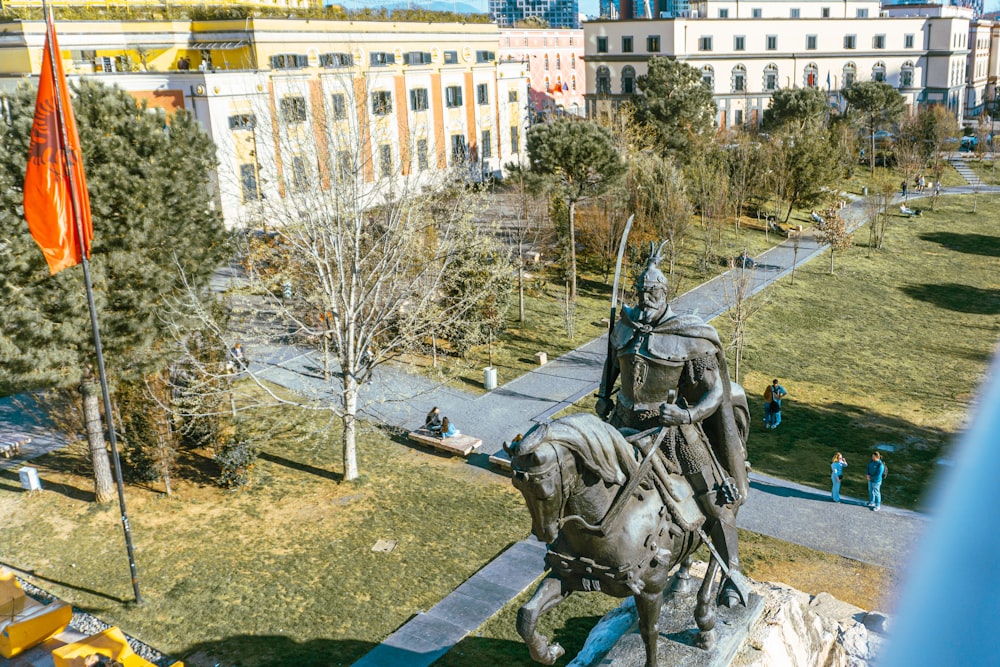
pixel 275 651
pixel 49 580
pixel 960 298
pixel 301 467
pixel 973 244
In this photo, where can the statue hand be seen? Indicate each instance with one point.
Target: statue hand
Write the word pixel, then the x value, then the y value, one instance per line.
pixel 673 415
pixel 604 407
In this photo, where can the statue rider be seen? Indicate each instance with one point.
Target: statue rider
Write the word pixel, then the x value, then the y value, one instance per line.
pixel 673 375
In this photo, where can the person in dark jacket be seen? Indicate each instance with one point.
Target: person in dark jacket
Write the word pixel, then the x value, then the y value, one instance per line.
pixel 875 472
pixel 433 420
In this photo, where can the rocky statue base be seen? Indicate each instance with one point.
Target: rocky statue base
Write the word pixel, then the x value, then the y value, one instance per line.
pixel 779 626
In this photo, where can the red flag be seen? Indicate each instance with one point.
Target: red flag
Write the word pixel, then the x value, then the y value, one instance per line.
pixel 48 198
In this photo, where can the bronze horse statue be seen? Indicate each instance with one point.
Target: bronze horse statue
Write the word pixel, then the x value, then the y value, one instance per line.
pixel 571 473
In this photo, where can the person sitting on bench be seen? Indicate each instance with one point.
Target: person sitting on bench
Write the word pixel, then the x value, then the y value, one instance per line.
pixel 448 429
pixel 433 421
pixel 816 217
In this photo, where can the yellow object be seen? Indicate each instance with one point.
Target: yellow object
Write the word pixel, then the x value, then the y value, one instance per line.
pixel 25 622
pixel 110 643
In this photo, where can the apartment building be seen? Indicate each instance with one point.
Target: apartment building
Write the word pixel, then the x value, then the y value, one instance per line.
pixel 555 13
pixel 554 63
pixel 746 51
pixel 281 98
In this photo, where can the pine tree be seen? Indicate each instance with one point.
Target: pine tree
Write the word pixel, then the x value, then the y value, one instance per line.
pixel 148 176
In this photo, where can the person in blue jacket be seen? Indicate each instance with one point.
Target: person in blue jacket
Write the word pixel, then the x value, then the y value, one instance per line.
pixel 875 472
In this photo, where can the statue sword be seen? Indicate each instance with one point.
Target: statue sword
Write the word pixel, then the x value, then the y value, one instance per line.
pixel 606 380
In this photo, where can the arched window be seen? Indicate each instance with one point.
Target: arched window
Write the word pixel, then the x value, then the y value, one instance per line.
pixel 572 82
pixel 850 72
pixel 572 61
pixel 628 80
pixel 546 62
pixel 906 75
pixel 548 84
pixel 878 71
pixel 558 61
pixel 739 79
pixel 810 76
pixel 771 78
pixel 603 81
pixel 558 86
pixel 708 77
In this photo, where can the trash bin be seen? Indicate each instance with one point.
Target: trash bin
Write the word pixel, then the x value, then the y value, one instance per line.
pixel 864 190
pixel 29 479
pixel 490 378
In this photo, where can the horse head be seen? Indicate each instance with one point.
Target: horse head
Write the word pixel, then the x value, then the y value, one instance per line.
pixel 548 467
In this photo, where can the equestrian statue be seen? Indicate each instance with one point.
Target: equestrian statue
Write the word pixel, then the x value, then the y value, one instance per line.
pixel 623 499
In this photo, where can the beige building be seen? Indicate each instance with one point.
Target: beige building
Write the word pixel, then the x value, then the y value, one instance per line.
pixel 554 63
pixel 746 51
pixel 283 98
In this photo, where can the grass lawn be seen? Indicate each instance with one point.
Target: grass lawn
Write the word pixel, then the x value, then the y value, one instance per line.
pixel 986 171
pixel 891 349
pixel 280 574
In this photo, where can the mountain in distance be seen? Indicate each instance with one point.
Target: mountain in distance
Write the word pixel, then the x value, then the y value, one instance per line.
pixel 476 7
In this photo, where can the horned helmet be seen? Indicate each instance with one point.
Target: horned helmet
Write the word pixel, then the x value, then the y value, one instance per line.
pixel 652 277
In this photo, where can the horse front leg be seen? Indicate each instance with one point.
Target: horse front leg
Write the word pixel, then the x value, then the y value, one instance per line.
pixel 648 606
pixel 704 611
pixel 548 594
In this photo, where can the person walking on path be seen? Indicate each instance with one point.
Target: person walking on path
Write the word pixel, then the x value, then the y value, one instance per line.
pixel 903 186
pixel 772 404
pixel 838 465
pixel 876 473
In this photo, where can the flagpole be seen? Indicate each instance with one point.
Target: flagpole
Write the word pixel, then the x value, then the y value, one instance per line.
pixel 84 251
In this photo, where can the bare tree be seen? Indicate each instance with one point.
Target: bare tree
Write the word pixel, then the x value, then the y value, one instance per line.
pixel 877 209
pixel 834 232
pixel 738 284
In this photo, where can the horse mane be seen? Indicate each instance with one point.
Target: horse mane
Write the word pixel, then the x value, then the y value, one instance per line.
pixel 600 447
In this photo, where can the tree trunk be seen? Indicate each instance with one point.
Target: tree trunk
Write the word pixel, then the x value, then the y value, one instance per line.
pixel 104 484
pixel 831 260
pixel 572 251
pixel 520 282
pixel 350 398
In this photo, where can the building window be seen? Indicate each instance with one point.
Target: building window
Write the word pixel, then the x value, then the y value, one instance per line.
pixel 453 96
pixel 810 76
pixel 850 41
pixel 628 80
pixel 485 56
pixel 417 58
pixel 381 103
pixel 293 109
pixel 850 72
pixel 345 166
pixel 450 57
pixel 299 174
pixel 772 42
pixel 335 60
pixel 738 117
pixel 723 13
pixel 602 44
pixel 795 13
pixel 458 150
pixel 339 103
pixel 739 43
pixel 248 182
pixel 482 93
pixel 826 12
pixel 572 82
pixel 512 95
pixel 289 61
pixel 558 61
pixel 861 13
pixel 572 61
pixel 385 160
pixel 906 75
pixel 878 42
pixel 418 99
pixel 626 45
pixel 546 62
pixel 653 44
pixel 603 81
pixel 739 79
pixel 755 13
pixel 708 77
pixel 705 43
pixel 382 59
pixel 486 145
pixel 515 139
pixel 810 42
pixel 242 121
pixel 907 41
pixel 422 162
pixel 771 78
pixel 878 71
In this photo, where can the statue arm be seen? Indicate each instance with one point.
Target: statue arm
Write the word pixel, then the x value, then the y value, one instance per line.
pixel 604 402
pixel 709 390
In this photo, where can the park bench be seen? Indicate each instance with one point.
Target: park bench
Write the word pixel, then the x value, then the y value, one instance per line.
pixel 111 643
pixel 501 460
pixel 456 444
pixel 25 622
